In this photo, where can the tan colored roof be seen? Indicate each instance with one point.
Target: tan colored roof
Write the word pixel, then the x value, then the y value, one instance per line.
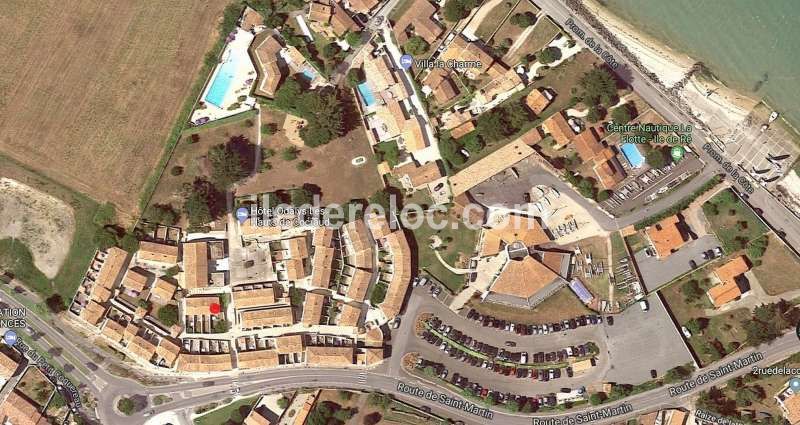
pixel 418 15
pixel 254 297
pixel 728 290
pixel 323 236
pixel 363 259
pixel 321 266
pixel 204 362
pixel 295 269
pixel 381 76
pixel 195 265
pixel 359 284
pixel 112 266
pixel 341 22
pixel 18 410
pixel 378 226
pixel 319 12
pixel 298 247
pixel 462 130
pixel 349 316
pixel 445 91
pixel 515 228
pixel 523 278
pixel 558 127
pixel 250 19
pixel 135 280
pixel 93 313
pixel 397 244
pixel 490 165
pixel 265 52
pixel 373 355
pixel 199 305
pixel 250 228
pixel 587 145
pixel 329 356
pixel 665 236
pixel 609 171
pixel 374 337
pixel 476 213
pixel 500 84
pixel 302 415
pixel 163 289
pixel 363 6
pixel 792 408
pixel 359 238
pixel 7 366
pixel 257 359
pixel 130 331
pixel 678 417
pixel 255 418
pixel 462 49
pixel 532 136
pixel 158 252
pixel 288 344
pixel 278 316
pixel 453 119
pixel 142 348
pixel 100 293
pixel 419 175
pixel 537 101
pixel 312 309
pixel 168 351
pixel 114 330
pixel 413 135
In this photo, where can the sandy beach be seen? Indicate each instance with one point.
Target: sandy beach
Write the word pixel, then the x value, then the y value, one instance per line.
pixel 711 101
pixel 669 65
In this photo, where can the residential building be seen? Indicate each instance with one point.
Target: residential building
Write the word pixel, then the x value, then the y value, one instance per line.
pixel 204 362
pixel 730 286
pixel 154 252
pixel 666 236
pixel 330 356
pixel 489 165
pixel 461 49
pixel 414 176
pixel 266 52
pixel 418 20
pixel 539 99
pixel 195 266
pixel 17 409
pixel 312 309
pixel 789 402
pixel 397 245
pixel 267 318
pixel 558 127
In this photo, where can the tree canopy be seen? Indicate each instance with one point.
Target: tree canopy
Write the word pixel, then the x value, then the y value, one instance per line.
pixel 549 55
pixel 416 45
pixel 599 88
pixel 227 166
pixel 523 20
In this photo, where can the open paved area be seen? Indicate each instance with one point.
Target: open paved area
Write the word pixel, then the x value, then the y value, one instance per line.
pixel 657 272
pixel 638 335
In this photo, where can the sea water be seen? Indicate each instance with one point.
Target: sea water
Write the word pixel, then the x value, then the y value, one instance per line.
pixel 750 45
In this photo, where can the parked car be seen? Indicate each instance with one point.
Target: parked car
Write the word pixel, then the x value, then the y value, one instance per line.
pixel 686 332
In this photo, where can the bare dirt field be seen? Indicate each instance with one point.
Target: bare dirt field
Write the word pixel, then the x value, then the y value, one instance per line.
pixel 90 90
pixel 43 223
pixel 339 181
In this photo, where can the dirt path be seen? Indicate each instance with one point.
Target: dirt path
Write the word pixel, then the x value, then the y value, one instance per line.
pixel 41 222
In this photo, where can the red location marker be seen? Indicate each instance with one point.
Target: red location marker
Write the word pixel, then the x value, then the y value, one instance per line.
pixel 215 308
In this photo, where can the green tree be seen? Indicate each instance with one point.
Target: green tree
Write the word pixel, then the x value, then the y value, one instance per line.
pixel 523 20
pixel 104 238
pixel 330 51
pixel 382 197
pixel 454 10
pixel 691 291
pixel 757 247
pixel 595 114
pixel 353 38
pixel 549 55
pixel 55 303
pixel 416 46
pixel 126 406
pixel 227 166
pixel 472 143
pixel 597 399
pixel 603 195
pixel 168 315
pixel 161 214
pixel 221 326
pixel 389 152
pixel 354 77
pixel 197 209
pixel 656 158
pixel 290 153
pixel 303 165
pixel 449 150
pixel 301 196
pixel 105 215
pixel 621 114
pixel 283 402
pixel 378 400
pixel 599 87
pixel 128 242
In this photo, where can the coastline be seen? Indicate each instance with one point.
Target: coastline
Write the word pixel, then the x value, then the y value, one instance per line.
pixel 711 101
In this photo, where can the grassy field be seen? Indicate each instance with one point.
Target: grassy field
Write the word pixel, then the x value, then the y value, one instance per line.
pixel 636 242
pixel 94 88
pixel 493 19
pixel 188 155
pixel 35 386
pixel 233 413
pixel 17 257
pixel 509 30
pixel 543 32
pixel 331 171
pixel 721 330
pixel 562 305
pixel 733 220
pixel 777 264
pixel 458 245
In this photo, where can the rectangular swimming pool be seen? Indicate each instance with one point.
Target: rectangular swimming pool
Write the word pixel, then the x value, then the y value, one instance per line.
pixel 366 94
pixel 222 81
pixel 632 154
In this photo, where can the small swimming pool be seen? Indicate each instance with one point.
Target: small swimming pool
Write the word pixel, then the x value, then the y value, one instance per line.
pixel 222 81
pixel 632 154
pixel 308 73
pixel 366 94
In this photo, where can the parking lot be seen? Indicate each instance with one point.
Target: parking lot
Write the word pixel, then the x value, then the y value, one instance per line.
pixel 649 185
pixel 643 340
pixel 657 272
pixel 765 155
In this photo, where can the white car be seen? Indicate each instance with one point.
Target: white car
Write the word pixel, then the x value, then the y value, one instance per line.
pixel 643 305
pixel 686 332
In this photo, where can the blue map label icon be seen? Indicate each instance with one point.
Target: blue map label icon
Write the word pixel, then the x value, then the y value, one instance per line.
pixel 406 61
pixel 242 214
pixel 10 337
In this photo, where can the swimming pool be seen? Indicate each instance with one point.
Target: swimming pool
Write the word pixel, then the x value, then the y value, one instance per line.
pixel 366 94
pixel 632 154
pixel 309 74
pixel 222 81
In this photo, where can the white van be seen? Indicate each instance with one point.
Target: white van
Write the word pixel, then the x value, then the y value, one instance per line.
pixel 643 305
